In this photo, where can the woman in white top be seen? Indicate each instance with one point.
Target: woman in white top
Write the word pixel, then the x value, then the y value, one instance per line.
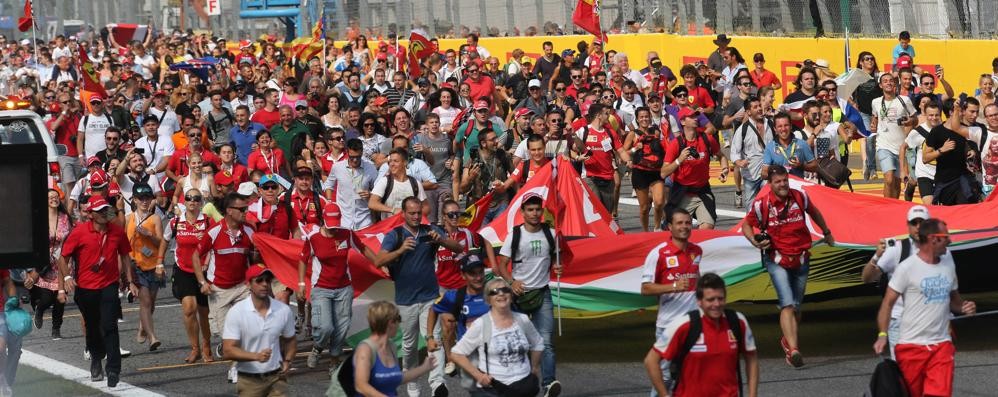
pixel 196 178
pixel 445 108
pixel 333 117
pixel 509 361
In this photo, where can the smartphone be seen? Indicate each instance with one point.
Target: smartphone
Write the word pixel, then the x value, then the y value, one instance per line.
pixel 140 150
pixel 426 238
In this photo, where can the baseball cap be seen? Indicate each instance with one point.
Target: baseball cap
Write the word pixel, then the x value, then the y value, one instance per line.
pixel 267 179
pixel 245 44
pixel 482 104
pixel 382 56
pixel 655 62
pixel 524 111
pixel 99 179
pixel 331 215
pixel 256 271
pixel 301 103
pixel 680 90
pixel 142 190
pixel 92 160
pixel 97 203
pixel 758 57
pixel 96 97
pixel 918 212
pixel 530 197
pixel 525 60
pixel 654 96
pixel 379 101
pixel 471 262
pixel 224 178
pixel 904 61
pixel 534 83
pixel 568 52
pixel 303 170
pixel 688 112
pixel 246 189
pixel 422 81
pixel 159 93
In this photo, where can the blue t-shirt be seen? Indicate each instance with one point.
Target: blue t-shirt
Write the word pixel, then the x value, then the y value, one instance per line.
pixel 243 140
pixel 474 307
pixel 898 50
pixel 778 155
pixel 414 274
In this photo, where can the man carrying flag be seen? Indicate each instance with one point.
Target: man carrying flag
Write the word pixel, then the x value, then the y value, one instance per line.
pixel 529 253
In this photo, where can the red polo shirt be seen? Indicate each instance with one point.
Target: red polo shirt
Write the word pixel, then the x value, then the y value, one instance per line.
pixel 271 219
pixel 698 97
pixel 304 208
pixel 517 173
pixel 711 366
pixel 328 258
pixel 448 269
pixel 601 145
pixel 66 131
pixel 484 87
pixel 237 172
pixel 227 254
pixel 178 163
pixel 266 117
pixel 188 236
pixel 90 248
pixel 693 172
pixel 787 226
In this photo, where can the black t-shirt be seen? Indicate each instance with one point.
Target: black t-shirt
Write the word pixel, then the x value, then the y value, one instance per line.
pixel 952 164
pixel 545 68
pixel 797 96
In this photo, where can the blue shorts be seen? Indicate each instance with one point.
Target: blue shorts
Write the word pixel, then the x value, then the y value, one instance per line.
pixel 789 284
pixel 888 161
pixel 149 279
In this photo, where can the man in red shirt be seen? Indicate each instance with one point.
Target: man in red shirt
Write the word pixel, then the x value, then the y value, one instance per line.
pixel 527 168
pixel 710 366
pixel 269 214
pixel 785 240
pixel 687 160
pixel 481 85
pixel 228 249
pixel 269 115
pixel 763 77
pixel 177 166
pixel 306 204
pixel 100 250
pixel 598 148
pixel 578 83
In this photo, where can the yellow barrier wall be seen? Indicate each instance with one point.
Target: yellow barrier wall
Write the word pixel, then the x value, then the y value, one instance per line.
pixel 963 60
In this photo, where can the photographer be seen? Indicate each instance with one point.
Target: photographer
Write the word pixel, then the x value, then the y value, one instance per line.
pixel 489 167
pixel 785 242
pixel 787 151
pixel 893 117
pixel 687 160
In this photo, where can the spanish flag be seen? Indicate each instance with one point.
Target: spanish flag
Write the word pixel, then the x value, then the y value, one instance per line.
pixel 91 80
pixel 313 47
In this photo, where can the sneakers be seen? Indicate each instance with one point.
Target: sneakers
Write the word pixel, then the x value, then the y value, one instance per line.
pixel 218 351
pixel 313 358
pixel 86 354
pixel 413 389
pixel 795 359
pixel 37 320
pixel 738 199
pixel 785 345
pixel 441 391
pixel 56 334
pixel 553 390
pixel 124 353
pixel 96 371
pixel 233 375
pixel 450 369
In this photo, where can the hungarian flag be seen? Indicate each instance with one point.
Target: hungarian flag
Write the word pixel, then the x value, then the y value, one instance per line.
pixel 24 23
pixel 123 33
pixel 91 79
pixel 474 215
pixel 420 47
pixel 572 208
pixel 587 17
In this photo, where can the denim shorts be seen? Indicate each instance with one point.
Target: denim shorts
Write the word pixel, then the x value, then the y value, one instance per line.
pixel 789 284
pixel 887 161
pixel 149 279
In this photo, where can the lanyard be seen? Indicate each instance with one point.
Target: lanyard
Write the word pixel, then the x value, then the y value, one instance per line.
pixel 268 161
pixel 792 146
pixel 152 151
pixel 303 208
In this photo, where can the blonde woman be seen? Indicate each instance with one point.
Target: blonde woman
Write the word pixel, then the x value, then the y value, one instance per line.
pixel 377 370
pixel 196 178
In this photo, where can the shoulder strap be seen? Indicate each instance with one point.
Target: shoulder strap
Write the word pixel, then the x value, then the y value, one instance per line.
pixel 459 297
pixel 585 135
pixel 706 144
pixel 551 243
pixel 415 187
pixel 524 170
pixel 515 244
pixel 921 131
pixel 388 187
pixel 692 334
pixel 905 249
pixel 486 337
pixel 764 213
pixel 736 328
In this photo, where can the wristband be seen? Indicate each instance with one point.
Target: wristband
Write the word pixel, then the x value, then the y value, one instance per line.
pixel 677 162
pixel 67 278
pixel 62 291
pixel 301 284
pixel 160 266
pixel 874 259
pixel 881 334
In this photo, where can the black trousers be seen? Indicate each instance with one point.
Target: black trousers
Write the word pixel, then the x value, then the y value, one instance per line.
pixel 42 299
pixel 100 308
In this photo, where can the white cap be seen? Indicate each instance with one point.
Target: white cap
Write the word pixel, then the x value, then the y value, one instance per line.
pixel 918 212
pixel 246 188
pixel 25 42
pixel 533 83
pixel 821 63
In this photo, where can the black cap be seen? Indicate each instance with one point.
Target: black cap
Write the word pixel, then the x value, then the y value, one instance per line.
pixel 471 262
pixel 142 189
pixel 680 89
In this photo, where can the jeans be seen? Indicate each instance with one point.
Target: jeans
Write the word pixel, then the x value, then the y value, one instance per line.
pixel 888 161
pixel 871 152
pixel 660 339
pixel 332 310
pixel 789 284
pixel 414 318
pixel 100 308
pixel 750 188
pixel 893 335
pixel 543 320
pixel 13 355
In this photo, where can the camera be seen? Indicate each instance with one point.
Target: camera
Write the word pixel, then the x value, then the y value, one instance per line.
pixel 693 153
pixel 474 155
pixel 762 236
pixel 903 120
pixel 426 238
pixel 139 150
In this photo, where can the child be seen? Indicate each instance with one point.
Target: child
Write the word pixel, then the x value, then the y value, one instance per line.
pixel 904 45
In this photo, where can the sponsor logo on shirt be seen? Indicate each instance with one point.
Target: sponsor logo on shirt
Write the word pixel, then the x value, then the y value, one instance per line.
pixel 671 262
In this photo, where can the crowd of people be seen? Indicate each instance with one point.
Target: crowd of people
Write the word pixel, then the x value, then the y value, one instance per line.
pixel 170 174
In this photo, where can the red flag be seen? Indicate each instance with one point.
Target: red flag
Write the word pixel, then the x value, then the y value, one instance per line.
pixel 28 20
pixel 282 256
pixel 123 33
pixel 586 16
pixel 420 48
pixel 91 80
pixel 474 215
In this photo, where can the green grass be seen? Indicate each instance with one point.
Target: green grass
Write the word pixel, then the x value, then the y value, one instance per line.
pixel 832 328
pixel 35 382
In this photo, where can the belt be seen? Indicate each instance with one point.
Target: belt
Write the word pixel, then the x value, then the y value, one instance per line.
pixel 260 375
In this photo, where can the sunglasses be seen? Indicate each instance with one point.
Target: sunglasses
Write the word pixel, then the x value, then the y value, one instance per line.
pixel 576 76
pixel 353 158
pixel 680 95
pixel 559 89
pixel 240 209
pixel 482 111
pixel 194 136
pixel 269 186
pixel 454 214
pixel 745 84
pixel 193 199
pixel 944 236
pixel 915 222
pixel 64 102
pixel 337 138
pixel 609 97
pixel 867 59
pixel 49 97
pixel 500 290
pixel 555 121
pixel 368 125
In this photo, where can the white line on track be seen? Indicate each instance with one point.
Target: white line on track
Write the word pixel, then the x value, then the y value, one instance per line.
pixel 82 376
pixel 720 212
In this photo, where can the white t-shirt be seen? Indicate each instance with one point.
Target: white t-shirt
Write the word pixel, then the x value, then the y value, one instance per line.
pixel 889 133
pixel 509 348
pixel 168 122
pixel 146 64
pixel 915 140
pixel 93 127
pixel 446 116
pixel 400 190
pixel 255 333
pixel 155 151
pixel 126 186
pixel 551 148
pixel 926 290
pixel 888 263
pixel 533 267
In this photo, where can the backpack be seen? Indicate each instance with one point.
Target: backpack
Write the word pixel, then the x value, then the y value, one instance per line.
pixel 703 137
pixel 744 126
pixel 213 124
pixel 391 185
pixel 110 121
pixel 694 331
pixel 905 253
pixel 797 197
pixel 487 326
pixel 887 381
pixel 653 149
pixel 342 384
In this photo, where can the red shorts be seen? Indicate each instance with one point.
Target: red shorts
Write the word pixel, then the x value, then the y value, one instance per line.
pixel 927 369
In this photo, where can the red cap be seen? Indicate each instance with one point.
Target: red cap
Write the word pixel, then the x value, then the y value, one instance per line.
pixel 472 48
pixel 99 178
pixel 96 97
pixel 245 43
pixel 687 112
pixel 480 104
pixel 257 271
pixel 379 101
pixel 584 107
pixel 92 160
pixel 524 111
pixel 97 203
pixel 114 190
pixel 904 61
pixel 331 215
pixel 159 93
pixel 382 44
pixel 224 178
pixel 382 56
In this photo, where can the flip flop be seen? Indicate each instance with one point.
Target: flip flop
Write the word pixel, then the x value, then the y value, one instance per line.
pixel 154 346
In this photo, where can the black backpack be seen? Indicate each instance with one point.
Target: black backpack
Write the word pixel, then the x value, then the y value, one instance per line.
pixel 545 227
pixel 905 253
pixel 887 381
pixel 695 329
pixel 391 185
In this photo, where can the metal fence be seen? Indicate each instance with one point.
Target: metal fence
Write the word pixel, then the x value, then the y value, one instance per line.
pixel 868 18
